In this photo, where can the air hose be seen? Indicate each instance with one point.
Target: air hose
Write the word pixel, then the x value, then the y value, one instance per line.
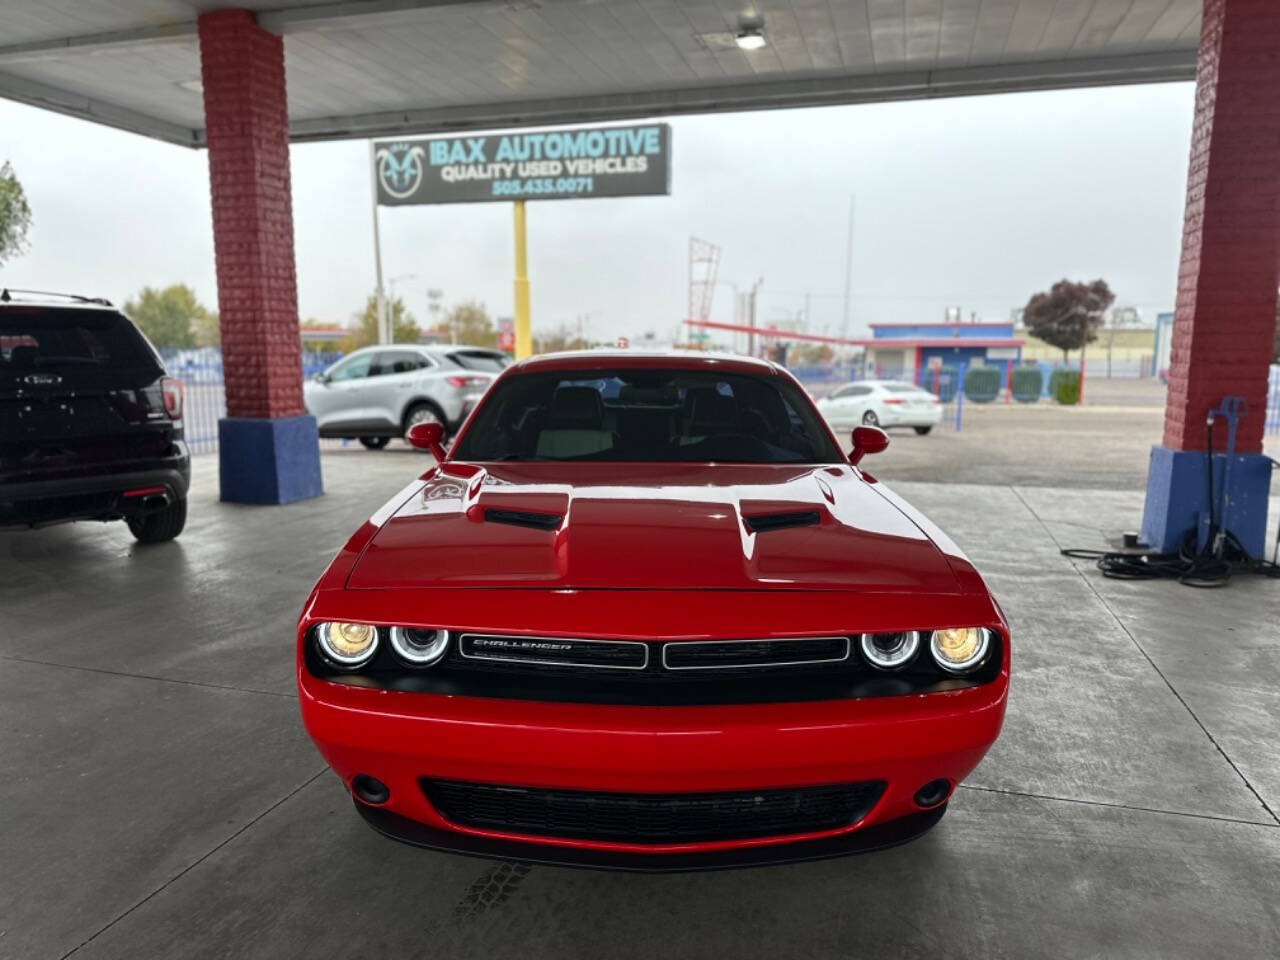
pixel 1209 564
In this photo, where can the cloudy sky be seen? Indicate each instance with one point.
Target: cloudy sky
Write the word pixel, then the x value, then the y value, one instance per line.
pixel 974 203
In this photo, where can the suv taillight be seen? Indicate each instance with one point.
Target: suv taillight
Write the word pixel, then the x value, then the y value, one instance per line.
pixel 172 390
pixel 466 381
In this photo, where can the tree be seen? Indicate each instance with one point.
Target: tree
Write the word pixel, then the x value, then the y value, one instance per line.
pixel 15 215
pixel 558 340
pixel 173 317
pixel 364 332
pixel 206 329
pixel 468 323
pixel 1069 314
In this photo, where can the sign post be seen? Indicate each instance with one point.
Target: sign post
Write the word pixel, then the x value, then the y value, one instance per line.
pixel 524 332
pixel 380 298
pixel 622 161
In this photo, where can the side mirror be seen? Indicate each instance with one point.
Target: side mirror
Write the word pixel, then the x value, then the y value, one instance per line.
pixel 428 436
pixel 867 440
pixel 322 378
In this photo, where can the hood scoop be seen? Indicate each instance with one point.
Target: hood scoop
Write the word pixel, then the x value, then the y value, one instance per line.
pixel 765 522
pixel 523 518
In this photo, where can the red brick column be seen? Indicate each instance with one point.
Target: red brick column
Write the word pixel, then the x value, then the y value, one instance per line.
pixel 1225 316
pixel 1226 308
pixel 247 129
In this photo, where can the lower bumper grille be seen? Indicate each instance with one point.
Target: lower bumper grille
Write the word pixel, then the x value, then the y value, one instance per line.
pixel 652 818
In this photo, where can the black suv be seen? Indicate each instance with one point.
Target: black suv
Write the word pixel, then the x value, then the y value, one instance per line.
pixel 90 426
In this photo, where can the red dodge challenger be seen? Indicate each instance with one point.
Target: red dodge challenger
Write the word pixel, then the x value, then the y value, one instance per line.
pixel 646 615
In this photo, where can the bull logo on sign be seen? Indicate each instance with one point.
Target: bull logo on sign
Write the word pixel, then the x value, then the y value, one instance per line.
pixel 400 169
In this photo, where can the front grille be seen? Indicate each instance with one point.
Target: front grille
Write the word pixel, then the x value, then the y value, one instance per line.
pixel 664 673
pixel 652 818
pixel 736 654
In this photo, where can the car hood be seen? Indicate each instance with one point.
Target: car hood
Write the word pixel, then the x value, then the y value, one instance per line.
pixel 651 527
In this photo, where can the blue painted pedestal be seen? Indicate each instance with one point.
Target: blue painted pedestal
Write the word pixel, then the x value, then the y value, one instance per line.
pixel 1177 498
pixel 269 461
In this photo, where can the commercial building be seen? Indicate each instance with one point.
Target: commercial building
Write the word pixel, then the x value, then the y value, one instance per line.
pixel 904 350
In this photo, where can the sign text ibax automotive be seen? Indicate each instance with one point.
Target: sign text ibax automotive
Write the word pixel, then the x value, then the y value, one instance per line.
pixel 540 164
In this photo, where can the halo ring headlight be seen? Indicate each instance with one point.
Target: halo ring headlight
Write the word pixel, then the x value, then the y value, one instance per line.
pixel 960 649
pixel 888 651
pixel 347 644
pixel 419 647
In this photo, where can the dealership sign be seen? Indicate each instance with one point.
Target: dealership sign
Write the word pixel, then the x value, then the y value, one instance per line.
pixel 532 165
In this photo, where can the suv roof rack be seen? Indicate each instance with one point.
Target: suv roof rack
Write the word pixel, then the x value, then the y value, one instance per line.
pixel 6 296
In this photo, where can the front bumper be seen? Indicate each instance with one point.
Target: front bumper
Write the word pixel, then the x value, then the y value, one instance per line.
pixel 495 848
pixel 399 738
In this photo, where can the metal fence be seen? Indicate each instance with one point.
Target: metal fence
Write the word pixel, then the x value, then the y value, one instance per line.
pixel 206 402
pixel 1273 401
pixel 205 397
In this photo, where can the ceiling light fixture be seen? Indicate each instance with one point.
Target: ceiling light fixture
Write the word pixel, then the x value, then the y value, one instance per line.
pixel 750 32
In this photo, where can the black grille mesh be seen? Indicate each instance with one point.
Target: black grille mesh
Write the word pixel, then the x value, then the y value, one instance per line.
pixel 652 818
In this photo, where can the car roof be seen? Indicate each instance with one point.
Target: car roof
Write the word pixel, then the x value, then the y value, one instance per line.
pixel 451 347
pixel 641 359
pixel 60 301
pixel 427 347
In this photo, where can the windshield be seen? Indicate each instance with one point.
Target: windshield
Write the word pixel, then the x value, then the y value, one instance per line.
pixel 647 416
pixel 34 338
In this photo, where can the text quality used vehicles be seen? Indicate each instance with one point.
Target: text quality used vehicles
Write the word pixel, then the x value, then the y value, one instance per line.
pixel 644 614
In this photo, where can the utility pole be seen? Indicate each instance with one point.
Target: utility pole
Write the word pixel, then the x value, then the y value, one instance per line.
pixel 751 337
pixel 380 297
pixel 848 272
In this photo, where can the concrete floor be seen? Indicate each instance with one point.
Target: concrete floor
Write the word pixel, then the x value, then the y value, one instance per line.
pixel 161 799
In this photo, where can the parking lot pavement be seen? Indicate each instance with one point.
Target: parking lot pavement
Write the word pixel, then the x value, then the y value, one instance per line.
pixel 162 799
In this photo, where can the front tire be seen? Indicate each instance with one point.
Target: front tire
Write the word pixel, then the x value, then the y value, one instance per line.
pixel 870 419
pixel 923 430
pixel 162 525
pixel 374 443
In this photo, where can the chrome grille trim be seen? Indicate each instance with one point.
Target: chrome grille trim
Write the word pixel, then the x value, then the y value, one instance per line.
pixel 685 644
pixel 548 661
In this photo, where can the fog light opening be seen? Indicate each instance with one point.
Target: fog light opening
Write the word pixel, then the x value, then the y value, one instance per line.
pixel 933 793
pixel 370 790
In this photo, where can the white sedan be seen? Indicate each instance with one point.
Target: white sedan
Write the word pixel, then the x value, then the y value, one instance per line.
pixel 881 403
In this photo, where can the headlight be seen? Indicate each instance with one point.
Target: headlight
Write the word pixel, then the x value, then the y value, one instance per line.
pixel 419 648
pixel 347 644
pixel 890 650
pixel 960 649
